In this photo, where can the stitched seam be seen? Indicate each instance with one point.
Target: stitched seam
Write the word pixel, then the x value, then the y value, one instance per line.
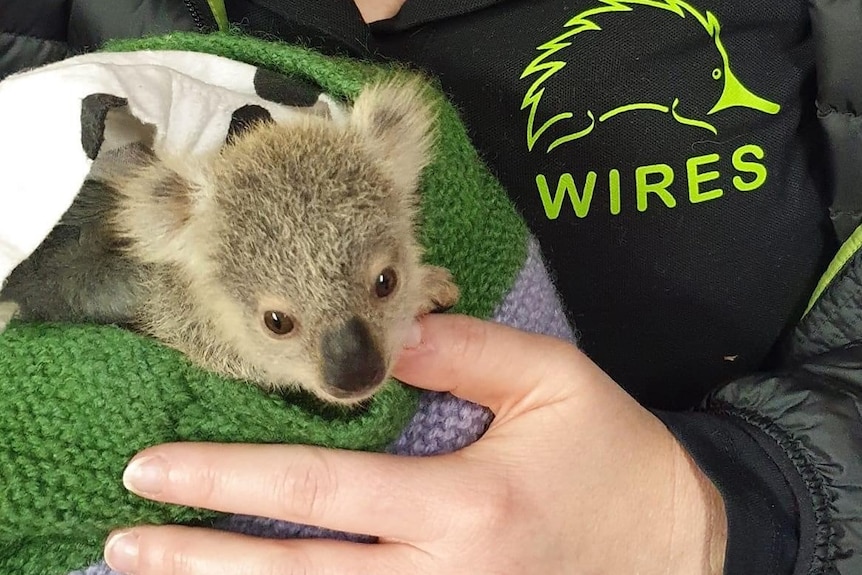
pixel 825 549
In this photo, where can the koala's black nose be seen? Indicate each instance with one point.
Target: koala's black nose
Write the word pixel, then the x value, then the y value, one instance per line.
pixel 352 364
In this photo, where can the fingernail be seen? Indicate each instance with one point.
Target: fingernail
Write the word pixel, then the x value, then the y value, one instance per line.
pixel 414 336
pixel 146 475
pixel 121 552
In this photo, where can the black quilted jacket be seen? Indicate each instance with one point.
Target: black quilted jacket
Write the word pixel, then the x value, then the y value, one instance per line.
pixel 784 447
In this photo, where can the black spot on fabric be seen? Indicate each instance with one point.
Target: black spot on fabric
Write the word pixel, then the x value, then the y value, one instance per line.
pixel 94 110
pixel 244 118
pixel 284 89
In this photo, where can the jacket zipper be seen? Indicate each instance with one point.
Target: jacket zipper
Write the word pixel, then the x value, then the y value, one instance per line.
pixel 196 17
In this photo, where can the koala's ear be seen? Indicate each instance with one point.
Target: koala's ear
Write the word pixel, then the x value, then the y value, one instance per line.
pixel 154 213
pixel 398 120
pixel 245 118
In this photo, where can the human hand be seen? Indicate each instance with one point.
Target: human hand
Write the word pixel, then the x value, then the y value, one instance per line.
pixel 573 476
pixel 374 10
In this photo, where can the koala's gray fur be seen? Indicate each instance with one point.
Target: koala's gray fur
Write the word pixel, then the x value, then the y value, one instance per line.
pixel 299 218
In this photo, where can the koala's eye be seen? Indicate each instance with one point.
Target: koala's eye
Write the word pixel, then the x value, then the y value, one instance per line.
pixel 278 322
pixel 385 283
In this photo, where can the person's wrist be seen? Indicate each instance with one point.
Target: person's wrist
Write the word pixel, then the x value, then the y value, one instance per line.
pixel 699 530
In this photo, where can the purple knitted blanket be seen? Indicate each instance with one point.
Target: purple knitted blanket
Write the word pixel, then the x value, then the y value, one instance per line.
pixel 443 422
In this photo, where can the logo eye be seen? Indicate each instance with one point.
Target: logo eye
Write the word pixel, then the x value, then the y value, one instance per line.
pixel 716 74
pixel 385 283
pixel 278 322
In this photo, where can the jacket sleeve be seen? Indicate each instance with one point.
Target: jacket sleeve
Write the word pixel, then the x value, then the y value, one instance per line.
pixel 784 451
pixel 38 32
pixel 32 33
pixel 837 31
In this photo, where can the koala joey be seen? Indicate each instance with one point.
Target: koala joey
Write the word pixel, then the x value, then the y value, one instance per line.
pixel 288 258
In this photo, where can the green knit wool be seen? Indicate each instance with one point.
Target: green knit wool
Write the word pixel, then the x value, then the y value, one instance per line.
pixel 76 401
pixel 79 401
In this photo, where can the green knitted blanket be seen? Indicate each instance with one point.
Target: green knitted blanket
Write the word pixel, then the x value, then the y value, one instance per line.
pixel 76 402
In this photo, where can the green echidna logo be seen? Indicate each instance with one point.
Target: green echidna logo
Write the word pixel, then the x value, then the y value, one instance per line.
pixel 569 126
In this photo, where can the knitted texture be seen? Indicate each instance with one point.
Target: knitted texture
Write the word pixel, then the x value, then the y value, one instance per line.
pixel 78 401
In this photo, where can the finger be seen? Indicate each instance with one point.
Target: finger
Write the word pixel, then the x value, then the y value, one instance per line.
pixel 173 550
pixel 490 363
pixel 363 493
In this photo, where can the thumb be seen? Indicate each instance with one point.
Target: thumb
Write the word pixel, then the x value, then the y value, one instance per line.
pixel 491 364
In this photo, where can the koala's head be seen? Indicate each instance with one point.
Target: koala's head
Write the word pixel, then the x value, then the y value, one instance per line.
pixel 298 242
